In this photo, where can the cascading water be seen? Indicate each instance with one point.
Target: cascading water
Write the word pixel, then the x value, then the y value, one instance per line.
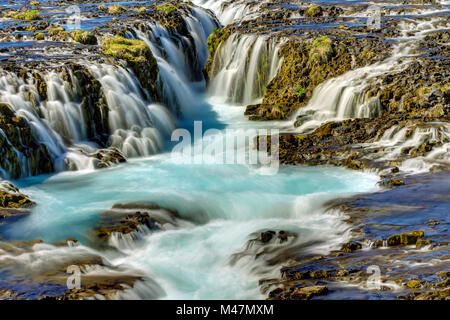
pixel 61 110
pixel 137 128
pixel 180 60
pixel 399 142
pixel 230 11
pixel 211 250
pixel 345 97
pixel 242 67
pixel 18 94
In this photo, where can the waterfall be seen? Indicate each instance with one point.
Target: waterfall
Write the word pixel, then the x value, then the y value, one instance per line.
pixel 344 97
pixel 24 99
pixel 230 11
pixel 398 142
pixel 137 128
pixel 242 68
pixel 180 59
pixel 62 109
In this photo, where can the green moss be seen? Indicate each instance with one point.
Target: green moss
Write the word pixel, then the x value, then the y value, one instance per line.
pixel 322 50
pixel 413 284
pixel 27 15
pixel 139 57
pixel 167 8
pixel 216 37
pixel 300 92
pixel 116 9
pixel 314 11
pixel 12 200
pixel 34 3
pixel 39 36
pixel 55 31
pixel 142 10
pixel 84 37
pixel 126 49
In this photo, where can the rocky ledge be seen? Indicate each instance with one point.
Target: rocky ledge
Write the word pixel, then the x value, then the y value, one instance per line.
pixel 399 249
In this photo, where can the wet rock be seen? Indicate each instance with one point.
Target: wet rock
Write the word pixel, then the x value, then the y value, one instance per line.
pixel 422 243
pixel 16 136
pixel 126 224
pixel 84 37
pixel 10 197
pixel 394 240
pixel 351 246
pixel 306 293
pixel 276 293
pixel 108 157
pixel 267 236
pixel 413 284
pixel 411 238
pixel 282 236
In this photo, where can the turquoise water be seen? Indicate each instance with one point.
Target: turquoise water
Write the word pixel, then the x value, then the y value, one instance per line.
pixel 221 208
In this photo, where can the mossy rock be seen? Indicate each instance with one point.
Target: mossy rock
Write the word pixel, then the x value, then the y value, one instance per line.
pixel 322 50
pixel 26 15
pixel 55 31
pixel 84 37
pixel 41 85
pixel 422 243
pixel 314 11
pixel 14 200
pixel 394 240
pixel 142 10
pixel 217 37
pixel 139 57
pixel 116 9
pixel 39 36
pixel 126 49
pixel 411 238
pixel 306 293
pixel 351 246
pixel 413 284
pixel 167 8
pixel 6 111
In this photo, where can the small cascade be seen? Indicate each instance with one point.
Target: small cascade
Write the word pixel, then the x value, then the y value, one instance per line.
pixel 134 128
pixel 180 59
pixel 23 98
pixel 345 97
pixel 62 109
pixel 340 98
pixel 230 11
pixel 242 68
pixel 62 117
pixel 432 140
